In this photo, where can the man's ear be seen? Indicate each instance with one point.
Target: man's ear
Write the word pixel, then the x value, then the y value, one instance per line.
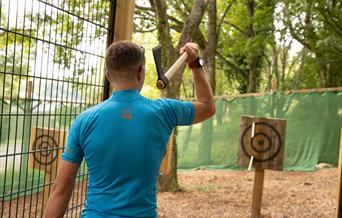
pixel 108 76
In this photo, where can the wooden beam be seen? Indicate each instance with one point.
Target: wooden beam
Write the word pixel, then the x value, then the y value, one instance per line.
pixel 339 183
pixel 123 29
pixel 287 92
pixel 50 100
pixel 124 20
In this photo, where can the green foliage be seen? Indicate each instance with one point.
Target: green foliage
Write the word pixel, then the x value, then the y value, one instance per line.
pixel 148 41
pixel 278 34
pixel 68 35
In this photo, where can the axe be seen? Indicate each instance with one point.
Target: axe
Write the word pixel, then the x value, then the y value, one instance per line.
pixel 163 79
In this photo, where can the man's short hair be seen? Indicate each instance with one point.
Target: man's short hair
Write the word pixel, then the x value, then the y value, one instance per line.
pixel 123 60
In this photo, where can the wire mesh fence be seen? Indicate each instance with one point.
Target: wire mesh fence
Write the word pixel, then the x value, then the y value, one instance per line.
pixel 51 69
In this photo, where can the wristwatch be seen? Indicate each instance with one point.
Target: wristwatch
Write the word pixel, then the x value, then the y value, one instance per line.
pixel 198 63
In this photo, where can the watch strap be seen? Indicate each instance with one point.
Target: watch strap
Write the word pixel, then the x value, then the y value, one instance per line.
pixel 195 64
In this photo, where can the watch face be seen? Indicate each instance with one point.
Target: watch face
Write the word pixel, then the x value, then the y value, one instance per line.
pixel 201 61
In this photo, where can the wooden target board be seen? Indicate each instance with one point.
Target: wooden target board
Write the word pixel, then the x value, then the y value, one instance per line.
pixel 262 143
pixel 45 148
pixel 264 140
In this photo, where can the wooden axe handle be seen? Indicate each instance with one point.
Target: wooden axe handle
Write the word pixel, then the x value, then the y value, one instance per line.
pixel 173 69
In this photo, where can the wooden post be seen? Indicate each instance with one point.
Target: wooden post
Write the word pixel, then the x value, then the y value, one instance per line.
pixel 165 166
pixel 257 191
pixel 339 183
pixel 27 127
pixel 122 29
pixel 124 20
pixel 274 84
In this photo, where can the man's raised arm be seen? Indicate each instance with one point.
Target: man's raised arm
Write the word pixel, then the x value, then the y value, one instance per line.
pixel 204 105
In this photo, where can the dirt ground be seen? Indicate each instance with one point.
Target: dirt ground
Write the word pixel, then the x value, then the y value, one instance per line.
pixel 221 194
pixel 226 193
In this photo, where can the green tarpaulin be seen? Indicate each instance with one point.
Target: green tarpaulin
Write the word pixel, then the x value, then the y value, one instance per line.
pixel 312 134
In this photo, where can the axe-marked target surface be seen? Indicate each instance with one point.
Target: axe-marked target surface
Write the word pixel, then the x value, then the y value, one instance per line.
pixel 45 149
pixel 262 146
pixel 266 145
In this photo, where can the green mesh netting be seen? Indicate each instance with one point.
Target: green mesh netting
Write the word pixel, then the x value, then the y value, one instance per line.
pixel 312 134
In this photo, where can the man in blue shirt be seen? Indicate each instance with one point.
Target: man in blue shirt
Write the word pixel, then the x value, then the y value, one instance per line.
pixel 123 139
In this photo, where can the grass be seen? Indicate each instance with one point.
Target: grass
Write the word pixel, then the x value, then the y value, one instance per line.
pixel 15 182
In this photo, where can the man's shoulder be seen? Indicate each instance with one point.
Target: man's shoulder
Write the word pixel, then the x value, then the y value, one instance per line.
pixel 91 111
pixel 169 104
pixel 165 101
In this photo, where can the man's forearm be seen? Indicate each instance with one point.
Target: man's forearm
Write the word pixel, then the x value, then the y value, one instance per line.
pixel 203 90
pixel 58 203
pixel 204 106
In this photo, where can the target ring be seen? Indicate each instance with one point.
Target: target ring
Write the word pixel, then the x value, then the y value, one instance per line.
pixel 258 141
pixel 45 149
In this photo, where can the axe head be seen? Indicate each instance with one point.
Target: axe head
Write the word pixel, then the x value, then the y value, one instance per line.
pixel 157 55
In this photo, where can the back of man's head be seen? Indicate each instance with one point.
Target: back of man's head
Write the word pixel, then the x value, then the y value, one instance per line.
pixel 123 60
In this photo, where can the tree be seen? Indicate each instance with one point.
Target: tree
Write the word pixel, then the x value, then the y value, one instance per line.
pixel 317 26
pixel 169 181
pixel 206 35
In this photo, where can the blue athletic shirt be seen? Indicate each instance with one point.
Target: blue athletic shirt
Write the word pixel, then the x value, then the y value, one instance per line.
pixel 123 140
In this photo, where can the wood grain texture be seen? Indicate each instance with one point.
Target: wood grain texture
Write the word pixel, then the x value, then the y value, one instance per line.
pixel 59 138
pixel 165 166
pixel 124 20
pixel 264 136
pixel 339 183
pixel 50 169
pixel 257 191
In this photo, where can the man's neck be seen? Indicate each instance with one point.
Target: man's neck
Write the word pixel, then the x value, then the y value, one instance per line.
pixel 124 86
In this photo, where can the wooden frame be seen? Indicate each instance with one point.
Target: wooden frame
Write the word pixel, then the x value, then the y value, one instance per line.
pixel 287 92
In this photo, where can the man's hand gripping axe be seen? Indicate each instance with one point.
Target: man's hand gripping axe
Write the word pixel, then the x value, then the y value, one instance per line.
pixel 163 79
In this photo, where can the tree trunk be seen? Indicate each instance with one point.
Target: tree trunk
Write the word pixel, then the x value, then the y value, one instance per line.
pixel 210 49
pixel 169 181
pixel 299 72
pixel 275 70
pixel 252 56
pixel 204 153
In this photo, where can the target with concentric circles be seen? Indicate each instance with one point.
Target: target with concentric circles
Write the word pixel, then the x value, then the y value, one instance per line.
pixel 45 149
pixel 262 143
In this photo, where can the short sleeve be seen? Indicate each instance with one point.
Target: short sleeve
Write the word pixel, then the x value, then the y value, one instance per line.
pixel 180 113
pixel 73 151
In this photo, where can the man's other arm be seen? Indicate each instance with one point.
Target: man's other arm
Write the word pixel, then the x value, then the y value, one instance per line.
pixel 61 190
pixel 204 105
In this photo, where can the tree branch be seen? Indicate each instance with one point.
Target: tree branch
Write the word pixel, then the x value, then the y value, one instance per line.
pixel 223 16
pixel 192 22
pixel 288 22
pixel 144 31
pixel 236 27
pixel 230 63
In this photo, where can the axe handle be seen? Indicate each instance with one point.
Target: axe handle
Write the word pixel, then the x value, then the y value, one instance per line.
pixel 173 69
